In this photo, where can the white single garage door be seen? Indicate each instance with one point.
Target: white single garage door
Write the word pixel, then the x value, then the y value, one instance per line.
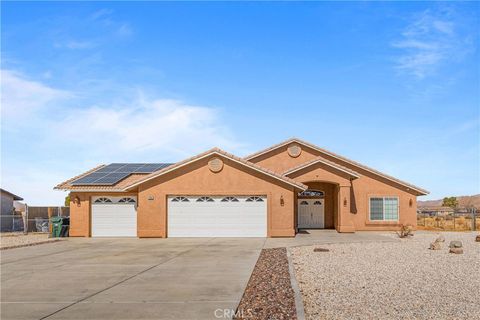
pixel 114 217
pixel 209 216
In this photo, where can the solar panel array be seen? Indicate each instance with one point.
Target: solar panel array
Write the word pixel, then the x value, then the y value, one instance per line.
pixel 115 172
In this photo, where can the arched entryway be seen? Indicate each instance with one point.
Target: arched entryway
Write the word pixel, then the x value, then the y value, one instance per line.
pixel 317 206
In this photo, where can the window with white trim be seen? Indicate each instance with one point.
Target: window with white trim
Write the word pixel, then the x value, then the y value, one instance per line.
pixel 229 199
pixel 126 200
pixel 205 199
pixel 180 199
pixel 384 208
pixel 254 199
pixel 103 200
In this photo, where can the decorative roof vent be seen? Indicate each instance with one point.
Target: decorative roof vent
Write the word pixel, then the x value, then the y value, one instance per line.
pixel 215 165
pixel 294 150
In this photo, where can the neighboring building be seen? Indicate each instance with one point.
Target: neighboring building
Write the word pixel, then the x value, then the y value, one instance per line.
pixel 436 210
pixel 7 210
pixel 271 193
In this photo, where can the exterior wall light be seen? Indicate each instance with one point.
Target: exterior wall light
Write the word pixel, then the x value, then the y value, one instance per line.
pixel 410 203
pixel 345 202
pixel 282 201
pixel 76 200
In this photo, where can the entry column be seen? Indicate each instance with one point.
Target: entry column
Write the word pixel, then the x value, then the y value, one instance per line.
pixel 345 223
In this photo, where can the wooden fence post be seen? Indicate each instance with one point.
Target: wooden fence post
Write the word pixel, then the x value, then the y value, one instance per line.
pixel 474 220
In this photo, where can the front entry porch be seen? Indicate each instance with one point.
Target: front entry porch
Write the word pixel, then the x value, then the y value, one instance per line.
pixel 324 205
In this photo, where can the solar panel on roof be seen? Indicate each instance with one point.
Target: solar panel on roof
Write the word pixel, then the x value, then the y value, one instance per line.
pixel 112 178
pixel 115 172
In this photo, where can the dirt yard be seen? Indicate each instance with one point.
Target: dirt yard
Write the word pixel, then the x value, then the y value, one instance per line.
pixel 391 280
pixel 15 240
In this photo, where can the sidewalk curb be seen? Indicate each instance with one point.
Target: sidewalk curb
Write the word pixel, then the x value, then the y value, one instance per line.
pixel 29 244
pixel 296 288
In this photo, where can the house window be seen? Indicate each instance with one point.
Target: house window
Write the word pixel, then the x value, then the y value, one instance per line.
pixel 254 199
pixel 311 193
pixel 180 199
pixel 229 199
pixel 205 199
pixel 384 209
pixel 317 203
pixel 304 203
pixel 126 200
pixel 103 200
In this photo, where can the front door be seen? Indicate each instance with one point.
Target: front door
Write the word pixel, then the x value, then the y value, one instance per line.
pixel 311 213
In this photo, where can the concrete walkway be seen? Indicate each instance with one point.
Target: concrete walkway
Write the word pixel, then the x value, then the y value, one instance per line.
pixel 324 236
pixel 127 278
pixel 176 278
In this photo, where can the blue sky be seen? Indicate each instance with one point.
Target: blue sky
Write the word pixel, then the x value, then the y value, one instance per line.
pixel 394 85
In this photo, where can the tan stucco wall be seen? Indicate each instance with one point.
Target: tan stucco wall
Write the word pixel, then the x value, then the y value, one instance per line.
pixel 280 161
pixel 355 215
pixel 197 179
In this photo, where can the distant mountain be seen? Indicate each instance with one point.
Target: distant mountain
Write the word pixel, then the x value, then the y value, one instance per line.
pixel 463 201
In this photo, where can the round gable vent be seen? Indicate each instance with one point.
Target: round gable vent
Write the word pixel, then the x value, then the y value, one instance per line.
pixel 215 164
pixel 294 150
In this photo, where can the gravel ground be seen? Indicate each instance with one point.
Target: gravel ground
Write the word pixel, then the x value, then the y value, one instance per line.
pixel 269 294
pixel 391 280
pixel 8 241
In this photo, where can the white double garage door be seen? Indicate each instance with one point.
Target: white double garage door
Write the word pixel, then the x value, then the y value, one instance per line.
pixel 188 216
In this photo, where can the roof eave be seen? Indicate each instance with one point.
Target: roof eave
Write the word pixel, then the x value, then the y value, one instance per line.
pixel 216 151
pixel 420 191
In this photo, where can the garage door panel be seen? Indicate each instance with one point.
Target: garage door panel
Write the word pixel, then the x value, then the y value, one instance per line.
pixel 115 219
pixel 218 218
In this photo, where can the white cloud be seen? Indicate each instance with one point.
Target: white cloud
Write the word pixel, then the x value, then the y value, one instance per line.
pixel 429 41
pixel 143 126
pixel 22 97
pixel 46 150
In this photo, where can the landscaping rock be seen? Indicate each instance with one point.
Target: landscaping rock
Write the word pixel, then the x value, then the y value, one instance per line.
pixel 455 244
pixel 320 250
pixel 269 293
pixel 477 238
pixel 441 238
pixel 456 250
pixel 435 246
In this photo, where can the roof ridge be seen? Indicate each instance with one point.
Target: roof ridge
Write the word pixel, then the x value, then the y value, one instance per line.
pixel 342 158
pixel 328 162
pixel 225 154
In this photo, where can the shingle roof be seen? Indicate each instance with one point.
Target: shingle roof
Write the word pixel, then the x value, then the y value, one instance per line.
pixel 226 155
pixel 334 155
pixel 326 162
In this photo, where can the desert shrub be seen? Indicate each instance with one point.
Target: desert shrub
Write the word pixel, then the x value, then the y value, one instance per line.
pixel 405 231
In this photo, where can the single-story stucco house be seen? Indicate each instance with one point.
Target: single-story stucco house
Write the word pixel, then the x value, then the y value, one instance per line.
pixel 272 193
pixel 7 210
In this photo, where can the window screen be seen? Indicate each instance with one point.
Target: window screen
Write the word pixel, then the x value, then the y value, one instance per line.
pixel 384 208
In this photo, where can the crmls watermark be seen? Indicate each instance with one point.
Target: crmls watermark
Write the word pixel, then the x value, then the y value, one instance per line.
pixel 230 313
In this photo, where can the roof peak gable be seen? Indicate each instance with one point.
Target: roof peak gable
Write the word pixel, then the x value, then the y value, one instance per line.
pixel 222 153
pixel 341 158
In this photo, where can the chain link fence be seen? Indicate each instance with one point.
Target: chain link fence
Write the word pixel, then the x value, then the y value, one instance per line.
pixel 458 219
pixel 34 219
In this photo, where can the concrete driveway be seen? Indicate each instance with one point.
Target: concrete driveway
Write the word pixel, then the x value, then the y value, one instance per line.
pixel 182 278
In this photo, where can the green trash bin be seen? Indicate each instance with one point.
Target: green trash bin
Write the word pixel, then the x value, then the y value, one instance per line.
pixel 56 226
